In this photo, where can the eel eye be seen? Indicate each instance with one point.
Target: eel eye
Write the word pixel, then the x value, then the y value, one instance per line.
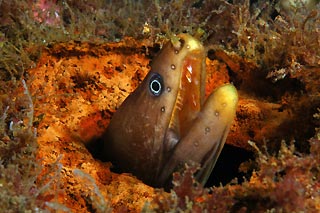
pixel 156 84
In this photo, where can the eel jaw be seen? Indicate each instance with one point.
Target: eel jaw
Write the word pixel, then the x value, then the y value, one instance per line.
pixel 197 131
pixel 206 137
pixel 191 89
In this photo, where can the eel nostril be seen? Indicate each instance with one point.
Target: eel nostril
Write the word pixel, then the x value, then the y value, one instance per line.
pixel 182 43
pixel 178 44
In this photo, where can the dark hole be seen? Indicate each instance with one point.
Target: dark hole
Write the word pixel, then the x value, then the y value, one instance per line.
pixel 211 54
pixel 227 166
pixel 251 133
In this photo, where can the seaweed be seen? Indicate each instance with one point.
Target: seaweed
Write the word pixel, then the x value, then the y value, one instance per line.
pixel 278 39
pixel 188 195
pixel 95 199
pixel 22 189
pixel 282 42
pixel 286 182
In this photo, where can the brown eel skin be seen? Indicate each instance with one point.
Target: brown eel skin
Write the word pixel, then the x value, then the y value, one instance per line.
pixel 166 122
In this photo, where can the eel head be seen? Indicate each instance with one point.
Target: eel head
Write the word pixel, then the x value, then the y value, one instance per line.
pixel 166 122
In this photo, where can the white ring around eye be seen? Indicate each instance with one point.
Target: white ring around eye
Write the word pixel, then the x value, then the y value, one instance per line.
pixel 156 85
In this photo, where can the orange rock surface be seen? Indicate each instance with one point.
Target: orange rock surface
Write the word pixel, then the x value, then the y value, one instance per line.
pixel 77 87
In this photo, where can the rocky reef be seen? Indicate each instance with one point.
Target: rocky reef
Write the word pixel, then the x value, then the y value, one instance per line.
pixel 66 67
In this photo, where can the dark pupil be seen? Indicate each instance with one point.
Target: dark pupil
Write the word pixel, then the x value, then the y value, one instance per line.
pixel 155 86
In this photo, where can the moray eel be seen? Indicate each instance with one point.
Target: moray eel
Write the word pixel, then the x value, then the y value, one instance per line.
pixel 166 122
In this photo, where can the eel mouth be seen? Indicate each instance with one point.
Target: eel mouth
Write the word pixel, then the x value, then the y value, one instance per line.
pixel 191 89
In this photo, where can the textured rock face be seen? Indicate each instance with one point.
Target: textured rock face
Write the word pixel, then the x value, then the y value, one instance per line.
pixel 78 86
